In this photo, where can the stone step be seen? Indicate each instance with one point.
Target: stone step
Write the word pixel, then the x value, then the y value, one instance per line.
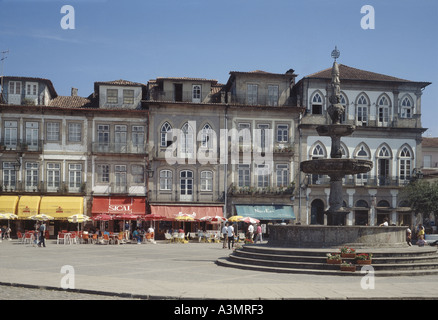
pixel 322 259
pixel 385 262
pixel 225 262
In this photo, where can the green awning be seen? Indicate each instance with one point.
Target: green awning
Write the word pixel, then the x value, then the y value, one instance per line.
pixel 276 212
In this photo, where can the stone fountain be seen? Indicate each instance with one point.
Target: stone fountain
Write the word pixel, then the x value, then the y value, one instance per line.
pixel 336 167
pixel 336 233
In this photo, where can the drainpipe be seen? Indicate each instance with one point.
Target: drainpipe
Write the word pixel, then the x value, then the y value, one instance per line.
pixel 226 163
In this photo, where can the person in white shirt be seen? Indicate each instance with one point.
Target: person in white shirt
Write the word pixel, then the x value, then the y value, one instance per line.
pixel 250 231
pixel 230 235
pixel 225 235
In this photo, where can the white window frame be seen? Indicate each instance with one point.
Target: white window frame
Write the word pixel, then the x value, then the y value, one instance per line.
pixel 166 180
pixel 53 176
pixel 74 176
pixel 207 180
pixel 32 175
pixel 74 132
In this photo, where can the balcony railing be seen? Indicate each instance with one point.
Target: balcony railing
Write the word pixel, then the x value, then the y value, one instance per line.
pixel 18 145
pixel 121 148
pixel 259 100
pixel 371 181
pixel 184 96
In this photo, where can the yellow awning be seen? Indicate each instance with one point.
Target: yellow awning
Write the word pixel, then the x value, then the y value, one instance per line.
pixel 8 204
pixel 28 206
pixel 61 207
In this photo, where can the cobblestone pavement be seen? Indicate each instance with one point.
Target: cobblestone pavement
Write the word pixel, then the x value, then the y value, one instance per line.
pixel 21 293
pixel 175 271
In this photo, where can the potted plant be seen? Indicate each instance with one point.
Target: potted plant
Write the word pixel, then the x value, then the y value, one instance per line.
pixel 348 266
pixel 347 252
pixel 333 258
pixel 248 241
pixel 363 258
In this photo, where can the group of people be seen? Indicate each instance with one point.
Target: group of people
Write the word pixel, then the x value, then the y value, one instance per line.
pixel 5 232
pixel 229 234
pixel 139 234
pixel 40 234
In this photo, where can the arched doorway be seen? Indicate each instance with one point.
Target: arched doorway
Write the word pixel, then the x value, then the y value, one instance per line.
pixel 361 213
pixel 317 212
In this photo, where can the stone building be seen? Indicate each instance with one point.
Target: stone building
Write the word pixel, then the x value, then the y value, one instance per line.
pixel 263 168
pixel 387 114
pixel 63 155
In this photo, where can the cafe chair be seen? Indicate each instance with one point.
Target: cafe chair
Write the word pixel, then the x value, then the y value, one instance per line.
pixel 168 237
pixel 28 237
pixel 120 238
pixel 105 239
pixel 62 237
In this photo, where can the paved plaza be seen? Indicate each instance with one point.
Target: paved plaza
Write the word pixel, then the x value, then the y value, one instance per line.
pixel 181 271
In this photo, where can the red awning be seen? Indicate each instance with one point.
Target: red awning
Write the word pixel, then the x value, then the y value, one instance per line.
pixel 119 205
pixel 171 212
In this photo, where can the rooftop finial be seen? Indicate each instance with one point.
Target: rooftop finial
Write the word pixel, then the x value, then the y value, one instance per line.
pixel 336 53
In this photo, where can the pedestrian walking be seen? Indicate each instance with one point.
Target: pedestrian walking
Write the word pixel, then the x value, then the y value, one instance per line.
pixel 42 235
pixel 225 235
pixel 258 233
pixel 230 235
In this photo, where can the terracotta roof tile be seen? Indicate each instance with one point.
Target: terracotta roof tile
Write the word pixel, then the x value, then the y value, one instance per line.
pixel 70 102
pixel 430 142
pixel 349 73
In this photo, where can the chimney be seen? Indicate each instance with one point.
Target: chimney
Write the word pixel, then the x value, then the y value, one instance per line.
pixel 74 92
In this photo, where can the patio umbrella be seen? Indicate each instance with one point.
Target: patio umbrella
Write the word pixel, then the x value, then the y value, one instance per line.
pixel 8 216
pixel 250 220
pixel 41 217
pixel 154 217
pixel 78 218
pixel 102 217
pixel 184 217
pixel 234 218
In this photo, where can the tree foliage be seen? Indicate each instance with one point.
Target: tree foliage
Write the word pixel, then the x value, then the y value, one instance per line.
pixel 422 196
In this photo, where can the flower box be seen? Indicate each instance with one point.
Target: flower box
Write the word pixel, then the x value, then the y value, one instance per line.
pixel 363 258
pixel 334 258
pixel 333 261
pixel 347 252
pixel 348 268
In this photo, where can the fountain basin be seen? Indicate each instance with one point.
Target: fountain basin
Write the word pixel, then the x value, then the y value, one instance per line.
pixel 336 166
pixel 319 236
pixel 339 130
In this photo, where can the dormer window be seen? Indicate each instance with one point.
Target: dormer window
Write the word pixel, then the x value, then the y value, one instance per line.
pixel 128 96
pixel 196 93
pixel 31 88
pixel 112 96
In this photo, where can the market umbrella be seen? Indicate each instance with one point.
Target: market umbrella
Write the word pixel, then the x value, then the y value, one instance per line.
pixel 250 220
pixel 8 216
pixel 234 218
pixel 41 217
pixel 184 217
pixel 102 217
pixel 78 218
pixel 127 216
pixel 154 217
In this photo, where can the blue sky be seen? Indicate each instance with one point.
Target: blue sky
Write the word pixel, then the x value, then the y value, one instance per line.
pixel 139 40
